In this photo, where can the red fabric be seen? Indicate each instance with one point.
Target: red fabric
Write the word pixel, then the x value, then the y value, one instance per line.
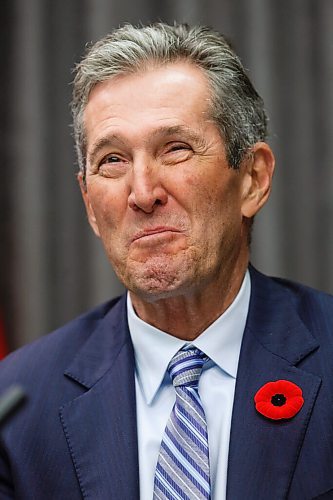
pixel 279 400
pixel 3 343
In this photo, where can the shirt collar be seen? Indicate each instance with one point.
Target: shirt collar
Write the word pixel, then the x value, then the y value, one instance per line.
pixel 221 341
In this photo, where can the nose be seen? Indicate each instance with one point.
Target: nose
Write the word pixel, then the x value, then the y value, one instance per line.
pixel 146 190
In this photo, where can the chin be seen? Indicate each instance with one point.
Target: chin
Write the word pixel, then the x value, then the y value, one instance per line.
pixel 161 276
pixel 157 281
pixel 156 287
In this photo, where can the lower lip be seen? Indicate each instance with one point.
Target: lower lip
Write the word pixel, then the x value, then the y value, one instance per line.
pixel 160 237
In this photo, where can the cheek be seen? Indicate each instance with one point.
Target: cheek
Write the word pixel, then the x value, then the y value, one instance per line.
pixel 214 200
pixel 107 206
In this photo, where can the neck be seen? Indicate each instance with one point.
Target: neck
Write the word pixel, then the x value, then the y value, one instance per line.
pixel 186 316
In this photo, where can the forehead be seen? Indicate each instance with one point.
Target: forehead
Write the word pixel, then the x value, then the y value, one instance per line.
pixel 170 95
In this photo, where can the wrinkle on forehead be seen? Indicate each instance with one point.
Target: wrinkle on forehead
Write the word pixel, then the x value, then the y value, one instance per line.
pixel 168 101
pixel 160 132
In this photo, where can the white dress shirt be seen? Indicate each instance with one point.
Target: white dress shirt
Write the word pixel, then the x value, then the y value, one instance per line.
pixel 155 394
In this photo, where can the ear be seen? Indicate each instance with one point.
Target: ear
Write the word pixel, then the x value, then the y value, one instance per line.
pixel 89 209
pixel 257 179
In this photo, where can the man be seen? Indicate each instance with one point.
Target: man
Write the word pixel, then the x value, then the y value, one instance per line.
pixel 173 168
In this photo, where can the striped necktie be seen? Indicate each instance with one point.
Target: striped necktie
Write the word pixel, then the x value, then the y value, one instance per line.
pixel 182 471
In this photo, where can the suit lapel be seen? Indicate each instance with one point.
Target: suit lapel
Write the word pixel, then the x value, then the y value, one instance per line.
pixel 263 453
pixel 100 424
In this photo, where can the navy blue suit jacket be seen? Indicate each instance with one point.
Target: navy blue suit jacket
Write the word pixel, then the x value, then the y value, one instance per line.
pixel 76 435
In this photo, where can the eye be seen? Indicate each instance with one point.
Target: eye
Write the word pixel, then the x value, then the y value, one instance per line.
pixel 111 159
pixel 176 152
pixel 174 147
pixel 112 165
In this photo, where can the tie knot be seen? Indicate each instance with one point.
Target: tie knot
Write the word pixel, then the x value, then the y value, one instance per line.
pixel 186 366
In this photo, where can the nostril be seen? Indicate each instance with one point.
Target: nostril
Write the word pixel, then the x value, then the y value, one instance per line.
pixel 147 201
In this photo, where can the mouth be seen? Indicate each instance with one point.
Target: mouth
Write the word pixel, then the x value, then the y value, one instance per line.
pixel 156 232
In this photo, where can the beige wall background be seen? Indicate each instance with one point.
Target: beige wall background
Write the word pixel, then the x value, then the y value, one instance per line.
pixel 52 268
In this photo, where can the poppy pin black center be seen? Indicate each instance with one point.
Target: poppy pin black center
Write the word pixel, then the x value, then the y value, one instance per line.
pixel 278 400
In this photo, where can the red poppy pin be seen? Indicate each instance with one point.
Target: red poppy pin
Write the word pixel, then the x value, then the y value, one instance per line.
pixel 278 400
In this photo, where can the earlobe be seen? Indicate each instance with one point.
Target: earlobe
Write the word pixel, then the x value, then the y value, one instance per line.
pixel 257 179
pixel 86 200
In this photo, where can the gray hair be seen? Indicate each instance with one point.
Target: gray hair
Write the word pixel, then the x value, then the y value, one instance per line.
pixel 236 106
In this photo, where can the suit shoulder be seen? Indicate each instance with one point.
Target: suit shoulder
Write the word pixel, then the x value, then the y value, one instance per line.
pixel 55 348
pixel 295 291
pixel 302 294
pixel 314 307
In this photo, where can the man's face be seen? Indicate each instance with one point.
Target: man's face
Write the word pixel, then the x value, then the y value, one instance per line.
pixel 159 191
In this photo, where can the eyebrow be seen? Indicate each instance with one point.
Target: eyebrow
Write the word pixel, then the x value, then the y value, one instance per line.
pixel 188 133
pixel 102 143
pixel 165 131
